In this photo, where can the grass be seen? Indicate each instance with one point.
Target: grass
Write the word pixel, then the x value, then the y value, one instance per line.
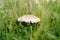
pixel 47 29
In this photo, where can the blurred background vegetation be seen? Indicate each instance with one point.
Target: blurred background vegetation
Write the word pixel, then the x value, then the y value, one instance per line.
pixel 47 10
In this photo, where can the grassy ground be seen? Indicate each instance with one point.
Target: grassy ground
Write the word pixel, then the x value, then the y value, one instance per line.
pixel 48 12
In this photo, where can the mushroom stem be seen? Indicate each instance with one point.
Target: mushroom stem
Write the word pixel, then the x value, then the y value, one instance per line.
pixel 31 33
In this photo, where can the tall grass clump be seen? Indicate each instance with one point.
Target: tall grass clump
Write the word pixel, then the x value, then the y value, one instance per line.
pixel 47 29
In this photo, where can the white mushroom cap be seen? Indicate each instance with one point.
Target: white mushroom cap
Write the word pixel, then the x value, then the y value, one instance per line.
pixel 28 19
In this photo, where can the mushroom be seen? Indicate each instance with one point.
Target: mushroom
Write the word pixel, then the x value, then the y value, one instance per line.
pixel 29 19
